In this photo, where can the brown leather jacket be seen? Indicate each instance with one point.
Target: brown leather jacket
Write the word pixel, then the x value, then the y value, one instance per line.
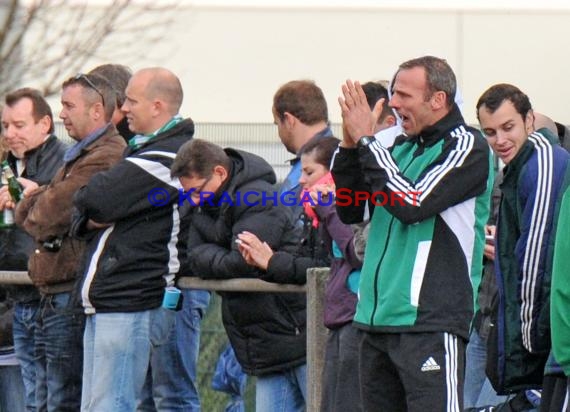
pixel 46 214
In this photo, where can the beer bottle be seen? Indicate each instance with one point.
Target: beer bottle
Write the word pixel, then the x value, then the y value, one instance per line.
pixel 2 218
pixel 15 190
pixel 14 187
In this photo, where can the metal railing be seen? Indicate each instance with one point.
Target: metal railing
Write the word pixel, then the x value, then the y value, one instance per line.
pixel 316 331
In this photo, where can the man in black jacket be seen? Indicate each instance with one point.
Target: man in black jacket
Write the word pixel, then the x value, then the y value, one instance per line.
pixel 233 191
pixel 415 332
pixel 168 385
pixel 35 154
pixel 140 249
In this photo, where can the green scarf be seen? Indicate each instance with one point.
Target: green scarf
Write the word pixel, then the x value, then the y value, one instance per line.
pixel 138 140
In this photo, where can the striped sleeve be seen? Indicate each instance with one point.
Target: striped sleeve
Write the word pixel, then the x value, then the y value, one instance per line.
pixel 460 172
pixel 536 194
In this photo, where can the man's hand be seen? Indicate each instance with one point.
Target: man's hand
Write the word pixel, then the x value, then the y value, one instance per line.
pixel 92 225
pixel 29 186
pixel 357 118
pixel 489 250
pixel 6 201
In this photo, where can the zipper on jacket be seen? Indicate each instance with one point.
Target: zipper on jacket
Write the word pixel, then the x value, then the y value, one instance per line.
pixel 377 271
pixel 290 314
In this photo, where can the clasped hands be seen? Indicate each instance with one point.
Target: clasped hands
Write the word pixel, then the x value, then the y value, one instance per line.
pixel 357 118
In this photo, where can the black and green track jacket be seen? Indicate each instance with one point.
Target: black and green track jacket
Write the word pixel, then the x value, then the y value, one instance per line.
pixel 424 254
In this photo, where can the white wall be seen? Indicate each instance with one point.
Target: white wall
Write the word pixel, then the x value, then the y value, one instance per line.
pixel 232 59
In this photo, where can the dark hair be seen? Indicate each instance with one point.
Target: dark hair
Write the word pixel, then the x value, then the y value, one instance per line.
pixel 303 99
pixel 40 107
pixel 439 76
pixel 495 95
pixel 375 91
pixel 197 158
pixel 322 148
pixel 118 77
pixel 95 88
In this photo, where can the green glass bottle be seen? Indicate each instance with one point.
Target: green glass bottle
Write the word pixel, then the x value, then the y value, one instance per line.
pixel 2 220
pixel 14 187
pixel 15 190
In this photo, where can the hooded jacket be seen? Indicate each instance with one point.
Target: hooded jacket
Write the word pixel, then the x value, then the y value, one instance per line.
pixel 266 330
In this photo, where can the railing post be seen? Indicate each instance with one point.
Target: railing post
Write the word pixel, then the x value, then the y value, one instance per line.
pixel 316 335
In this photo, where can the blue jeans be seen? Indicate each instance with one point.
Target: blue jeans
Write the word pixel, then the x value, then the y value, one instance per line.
pixel 282 392
pixel 59 349
pixel 116 354
pixel 478 389
pixel 11 389
pixel 171 379
pixel 24 346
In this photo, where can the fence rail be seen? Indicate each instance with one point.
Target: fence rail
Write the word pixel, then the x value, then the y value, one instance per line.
pixel 316 332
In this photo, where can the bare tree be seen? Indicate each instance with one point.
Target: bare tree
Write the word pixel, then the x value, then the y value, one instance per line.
pixel 42 42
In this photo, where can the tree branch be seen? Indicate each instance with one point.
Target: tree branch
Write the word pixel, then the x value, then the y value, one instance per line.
pixel 49 40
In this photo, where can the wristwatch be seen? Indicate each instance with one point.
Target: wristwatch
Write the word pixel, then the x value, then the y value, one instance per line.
pixel 365 141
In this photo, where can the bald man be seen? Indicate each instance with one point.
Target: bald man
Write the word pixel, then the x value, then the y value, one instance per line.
pixel 136 250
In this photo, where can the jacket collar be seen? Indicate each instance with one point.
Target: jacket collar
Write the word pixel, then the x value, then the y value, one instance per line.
pixel 326 132
pixel 32 157
pixel 184 127
pixel 78 148
pixel 525 152
pixel 432 134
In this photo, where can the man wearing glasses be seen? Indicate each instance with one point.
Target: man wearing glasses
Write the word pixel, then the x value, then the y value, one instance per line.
pixel 131 262
pixel 267 330
pixel 45 213
pixel 34 155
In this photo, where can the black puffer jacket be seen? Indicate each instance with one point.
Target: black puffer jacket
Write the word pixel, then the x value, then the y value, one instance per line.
pixel 267 330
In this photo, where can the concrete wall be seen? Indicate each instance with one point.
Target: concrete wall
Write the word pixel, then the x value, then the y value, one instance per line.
pixel 232 59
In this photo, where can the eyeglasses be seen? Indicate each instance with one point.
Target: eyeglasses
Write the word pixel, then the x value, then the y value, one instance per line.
pixel 195 192
pixel 81 76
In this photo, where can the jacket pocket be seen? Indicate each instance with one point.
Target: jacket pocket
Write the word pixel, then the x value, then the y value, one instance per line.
pixel 294 325
pixel 50 268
